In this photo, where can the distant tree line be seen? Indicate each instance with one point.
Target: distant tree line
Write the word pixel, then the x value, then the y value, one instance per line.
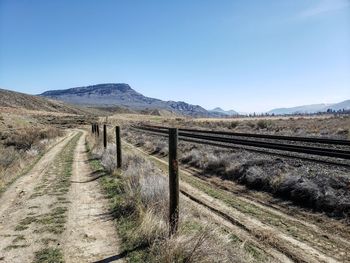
pixel 327 112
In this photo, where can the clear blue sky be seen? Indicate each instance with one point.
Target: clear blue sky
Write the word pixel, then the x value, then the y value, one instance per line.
pixel 244 55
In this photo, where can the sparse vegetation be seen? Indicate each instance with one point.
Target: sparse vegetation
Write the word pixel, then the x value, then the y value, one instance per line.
pixel 319 189
pixel 20 149
pixel 139 203
pixel 49 255
pixel 329 126
pixel 26 139
pixel 263 124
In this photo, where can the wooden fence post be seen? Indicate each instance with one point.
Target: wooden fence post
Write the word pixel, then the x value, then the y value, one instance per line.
pixel 173 182
pixel 98 130
pixel 105 136
pixel 119 146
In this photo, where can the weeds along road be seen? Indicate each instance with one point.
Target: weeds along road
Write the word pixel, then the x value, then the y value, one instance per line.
pixel 285 236
pixel 56 211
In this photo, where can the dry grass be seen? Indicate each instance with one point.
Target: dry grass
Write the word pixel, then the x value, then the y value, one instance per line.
pixel 25 139
pixel 7 157
pixel 206 245
pixel 109 157
pixel 140 204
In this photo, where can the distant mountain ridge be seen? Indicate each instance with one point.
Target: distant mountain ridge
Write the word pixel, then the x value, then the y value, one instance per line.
pixel 121 94
pixel 224 112
pixel 312 108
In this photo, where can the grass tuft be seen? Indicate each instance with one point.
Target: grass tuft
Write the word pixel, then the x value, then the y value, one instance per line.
pixel 49 255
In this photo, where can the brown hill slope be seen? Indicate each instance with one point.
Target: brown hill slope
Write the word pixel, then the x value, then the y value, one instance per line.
pixel 19 100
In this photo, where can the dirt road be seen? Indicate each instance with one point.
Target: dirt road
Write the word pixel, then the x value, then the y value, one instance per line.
pixel 55 211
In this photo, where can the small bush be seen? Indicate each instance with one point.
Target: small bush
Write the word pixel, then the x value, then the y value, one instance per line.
pixel 109 158
pixel 263 124
pixel 33 151
pixel 216 162
pixel 8 156
pixel 194 157
pixel 233 124
pixel 144 182
pixel 250 124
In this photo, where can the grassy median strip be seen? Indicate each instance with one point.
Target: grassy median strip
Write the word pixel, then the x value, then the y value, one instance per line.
pixel 53 222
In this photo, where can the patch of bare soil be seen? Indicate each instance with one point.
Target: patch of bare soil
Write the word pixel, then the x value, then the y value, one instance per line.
pixel 90 234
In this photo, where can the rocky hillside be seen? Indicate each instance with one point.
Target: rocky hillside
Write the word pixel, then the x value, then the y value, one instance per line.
pixel 122 95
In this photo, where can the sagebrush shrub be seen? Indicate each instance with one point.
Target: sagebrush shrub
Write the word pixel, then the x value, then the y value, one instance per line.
pixel 8 156
pixel 24 139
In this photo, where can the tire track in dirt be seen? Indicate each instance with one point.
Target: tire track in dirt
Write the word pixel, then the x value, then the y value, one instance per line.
pixel 294 248
pixel 90 233
pixel 19 190
pixel 243 235
pixel 22 204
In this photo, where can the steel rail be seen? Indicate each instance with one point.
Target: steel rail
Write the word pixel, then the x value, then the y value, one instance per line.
pixel 215 144
pixel 264 136
pixel 276 146
pixel 268 145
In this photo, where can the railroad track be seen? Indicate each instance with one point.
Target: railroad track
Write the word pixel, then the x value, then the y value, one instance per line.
pixel 328 148
pixel 265 136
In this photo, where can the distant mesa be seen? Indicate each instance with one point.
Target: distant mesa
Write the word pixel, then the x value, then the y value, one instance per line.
pixel 122 95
